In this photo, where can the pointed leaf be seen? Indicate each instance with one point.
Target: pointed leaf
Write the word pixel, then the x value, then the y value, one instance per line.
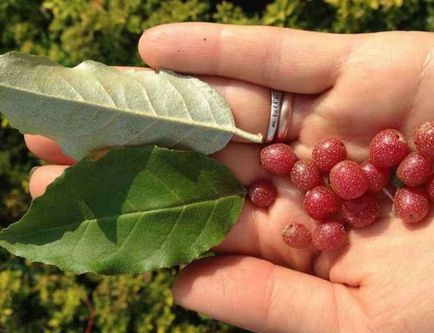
pixel 93 106
pixel 133 210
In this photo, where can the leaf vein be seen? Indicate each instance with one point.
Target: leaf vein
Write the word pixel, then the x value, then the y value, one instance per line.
pixel 140 133
pixel 145 93
pixel 211 126
pixel 182 98
pixel 169 234
pixel 199 90
pixel 152 211
pixel 205 225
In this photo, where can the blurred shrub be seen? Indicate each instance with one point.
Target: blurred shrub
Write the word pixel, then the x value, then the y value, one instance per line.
pixel 38 298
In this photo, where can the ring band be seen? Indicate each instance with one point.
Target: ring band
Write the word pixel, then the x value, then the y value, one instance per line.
pixel 285 118
pixel 276 105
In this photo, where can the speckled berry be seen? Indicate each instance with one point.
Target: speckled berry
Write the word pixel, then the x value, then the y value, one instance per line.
pixel 262 193
pixel 424 139
pixel 278 158
pixel 328 152
pixel 330 236
pixel 361 212
pixel 378 178
pixel 430 188
pixel 414 170
pixel 348 180
pixel 411 204
pixel 321 203
pixel 388 148
pixel 296 235
pixel 305 175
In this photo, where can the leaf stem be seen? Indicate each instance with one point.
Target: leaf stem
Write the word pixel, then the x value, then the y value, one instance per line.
pixel 257 138
pixel 388 194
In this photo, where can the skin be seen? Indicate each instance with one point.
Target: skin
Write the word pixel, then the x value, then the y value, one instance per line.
pixel 350 86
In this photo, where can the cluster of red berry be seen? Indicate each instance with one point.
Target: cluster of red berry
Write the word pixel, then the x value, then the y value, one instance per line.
pixel 340 193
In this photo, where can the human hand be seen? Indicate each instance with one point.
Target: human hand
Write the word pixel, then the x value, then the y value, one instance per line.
pixel 351 86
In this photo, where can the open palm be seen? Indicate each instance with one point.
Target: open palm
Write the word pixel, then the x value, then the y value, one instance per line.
pixel 351 86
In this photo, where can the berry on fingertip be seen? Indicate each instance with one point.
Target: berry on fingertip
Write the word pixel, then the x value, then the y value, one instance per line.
pixel 278 158
pixel 430 188
pixel 348 180
pixel 330 236
pixel 378 178
pixel 424 139
pixel 305 175
pixel 361 212
pixel 297 236
pixel 262 193
pixel 388 148
pixel 411 204
pixel 328 152
pixel 414 170
pixel 321 203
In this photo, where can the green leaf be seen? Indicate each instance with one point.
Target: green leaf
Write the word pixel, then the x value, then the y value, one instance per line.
pixel 133 210
pixel 93 106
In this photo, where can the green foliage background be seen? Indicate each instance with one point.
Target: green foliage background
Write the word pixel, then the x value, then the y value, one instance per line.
pixel 38 298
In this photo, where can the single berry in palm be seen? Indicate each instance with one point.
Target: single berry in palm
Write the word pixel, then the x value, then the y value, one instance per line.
pixel 321 203
pixel 297 235
pixel 305 175
pixel 328 152
pixel 348 180
pixel 388 148
pixel 278 158
pixel 262 193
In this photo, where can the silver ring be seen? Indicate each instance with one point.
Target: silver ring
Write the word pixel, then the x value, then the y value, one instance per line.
pixel 276 105
pixel 285 118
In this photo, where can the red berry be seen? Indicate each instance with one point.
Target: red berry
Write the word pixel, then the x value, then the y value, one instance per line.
pixel 424 139
pixel 321 203
pixel 296 235
pixel 262 193
pixel 306 175
pixel 388 148
pixel 430 188
pixel 414 170
pixel 348 180
pixel 278 158
pixel 411 204
pixel 378 178
pixel 361 212
pixel 328 152
pixel 329 236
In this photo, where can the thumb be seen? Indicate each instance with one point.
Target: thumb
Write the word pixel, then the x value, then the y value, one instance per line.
pixel 262 297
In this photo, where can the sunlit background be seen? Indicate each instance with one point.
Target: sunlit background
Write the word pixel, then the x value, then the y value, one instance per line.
pixel 38 298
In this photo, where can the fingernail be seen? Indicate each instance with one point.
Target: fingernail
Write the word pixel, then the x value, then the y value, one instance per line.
pixel 32 171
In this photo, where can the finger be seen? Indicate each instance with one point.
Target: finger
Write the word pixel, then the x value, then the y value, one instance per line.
pixel 290 60
pixel 261 297
pixel 43 176
pixel 46 149
pixel 250 105
pixel 241 159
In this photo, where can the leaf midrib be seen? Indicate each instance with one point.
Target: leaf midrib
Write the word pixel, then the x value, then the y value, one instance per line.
pixel 144 213
pixel 229 130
